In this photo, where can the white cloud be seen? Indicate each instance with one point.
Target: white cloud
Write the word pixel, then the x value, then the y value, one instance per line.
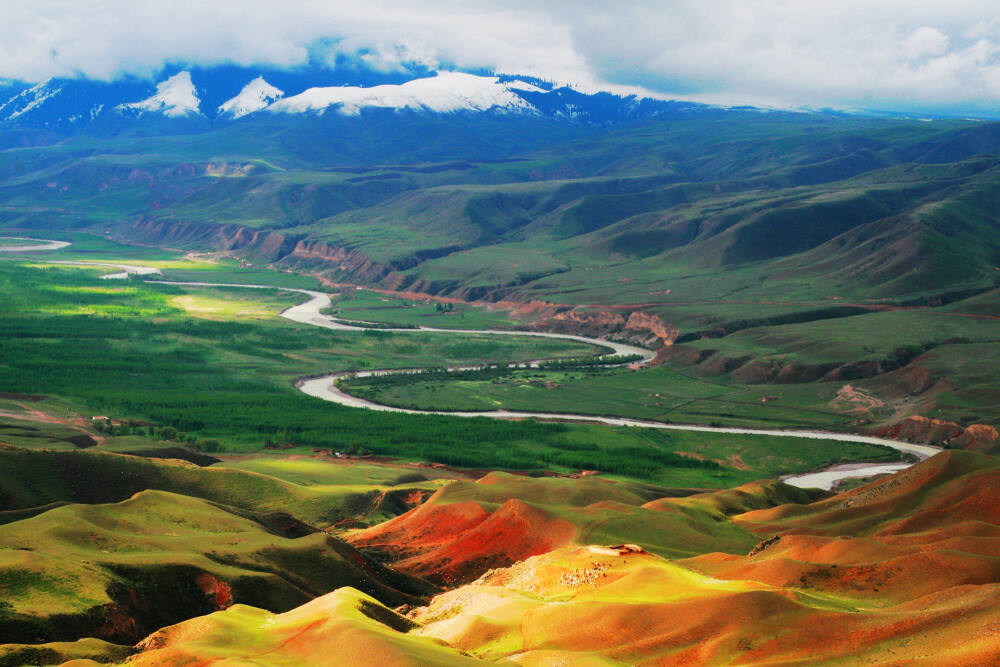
pixel 925 41
pixel 909 54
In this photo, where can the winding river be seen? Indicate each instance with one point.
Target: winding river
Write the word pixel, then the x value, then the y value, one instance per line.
pixel 125 271
pixel 325 387
pixel 33 245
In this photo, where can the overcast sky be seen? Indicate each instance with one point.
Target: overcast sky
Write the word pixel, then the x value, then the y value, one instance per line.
pixel 911 55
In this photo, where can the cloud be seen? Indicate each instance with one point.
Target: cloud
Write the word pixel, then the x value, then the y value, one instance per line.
pixel 910 55
pixel 925 41
pixel 907 55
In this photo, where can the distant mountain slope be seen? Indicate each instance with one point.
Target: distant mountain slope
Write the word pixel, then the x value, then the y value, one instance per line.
pixel 175 97
pixel 433 183
pixel 227 93
pixel 256 95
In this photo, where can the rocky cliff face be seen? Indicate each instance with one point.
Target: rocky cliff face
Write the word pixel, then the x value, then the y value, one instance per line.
pixel 978 437
pixel 637 328
pixel 261 246
pixel 334 262
pixel 633 327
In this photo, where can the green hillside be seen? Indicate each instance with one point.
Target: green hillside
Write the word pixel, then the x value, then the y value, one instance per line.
pixel 775 203
pixel 118 572
pixel 767 240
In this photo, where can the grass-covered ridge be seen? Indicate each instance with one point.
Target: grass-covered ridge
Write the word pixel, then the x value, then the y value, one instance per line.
pixel 844 576
pixel 77 570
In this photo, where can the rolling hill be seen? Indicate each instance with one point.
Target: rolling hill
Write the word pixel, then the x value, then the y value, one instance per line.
pixel 868 576
pixel 119 572
pixel 466 528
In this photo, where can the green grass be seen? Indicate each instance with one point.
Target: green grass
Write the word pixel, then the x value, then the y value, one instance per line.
pixel 91 247
pixel 882 353
pixel 973 397
pixel 175 265
pixel 31 434
pixel 38 478
pixel 56 653
pixel 874 336
pixel 658 393
pixel 128 351
pixel 491 266
pixel 370 306
pixel 223 271
pixel 58 568
pixel 307 472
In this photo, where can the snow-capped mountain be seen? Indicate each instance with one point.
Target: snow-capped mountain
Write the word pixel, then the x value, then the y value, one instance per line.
pixel 65 104
pixel 175 98
pixel 445 93
pixel 28 99
pixel 256 95
pixel 194 98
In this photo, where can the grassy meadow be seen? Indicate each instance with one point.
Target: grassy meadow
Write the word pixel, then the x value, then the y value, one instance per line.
pixel 660 393
pixel 371 306
pixel 731 385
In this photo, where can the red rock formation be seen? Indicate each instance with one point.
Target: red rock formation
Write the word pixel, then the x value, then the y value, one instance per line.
pixel 635 327
pixel 218 591
pixel 978 437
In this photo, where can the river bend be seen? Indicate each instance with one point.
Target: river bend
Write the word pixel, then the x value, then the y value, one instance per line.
pixel 325 387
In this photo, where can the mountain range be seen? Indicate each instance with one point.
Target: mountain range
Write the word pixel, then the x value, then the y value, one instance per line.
pixel 221 95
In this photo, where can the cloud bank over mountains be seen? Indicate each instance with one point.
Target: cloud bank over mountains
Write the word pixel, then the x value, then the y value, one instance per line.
pixel 914 55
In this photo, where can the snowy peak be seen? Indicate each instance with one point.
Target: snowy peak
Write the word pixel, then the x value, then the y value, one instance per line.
pixel 283 96
pixel 176 98
pixel 27 100
pixel 447 92
pixel 255 96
